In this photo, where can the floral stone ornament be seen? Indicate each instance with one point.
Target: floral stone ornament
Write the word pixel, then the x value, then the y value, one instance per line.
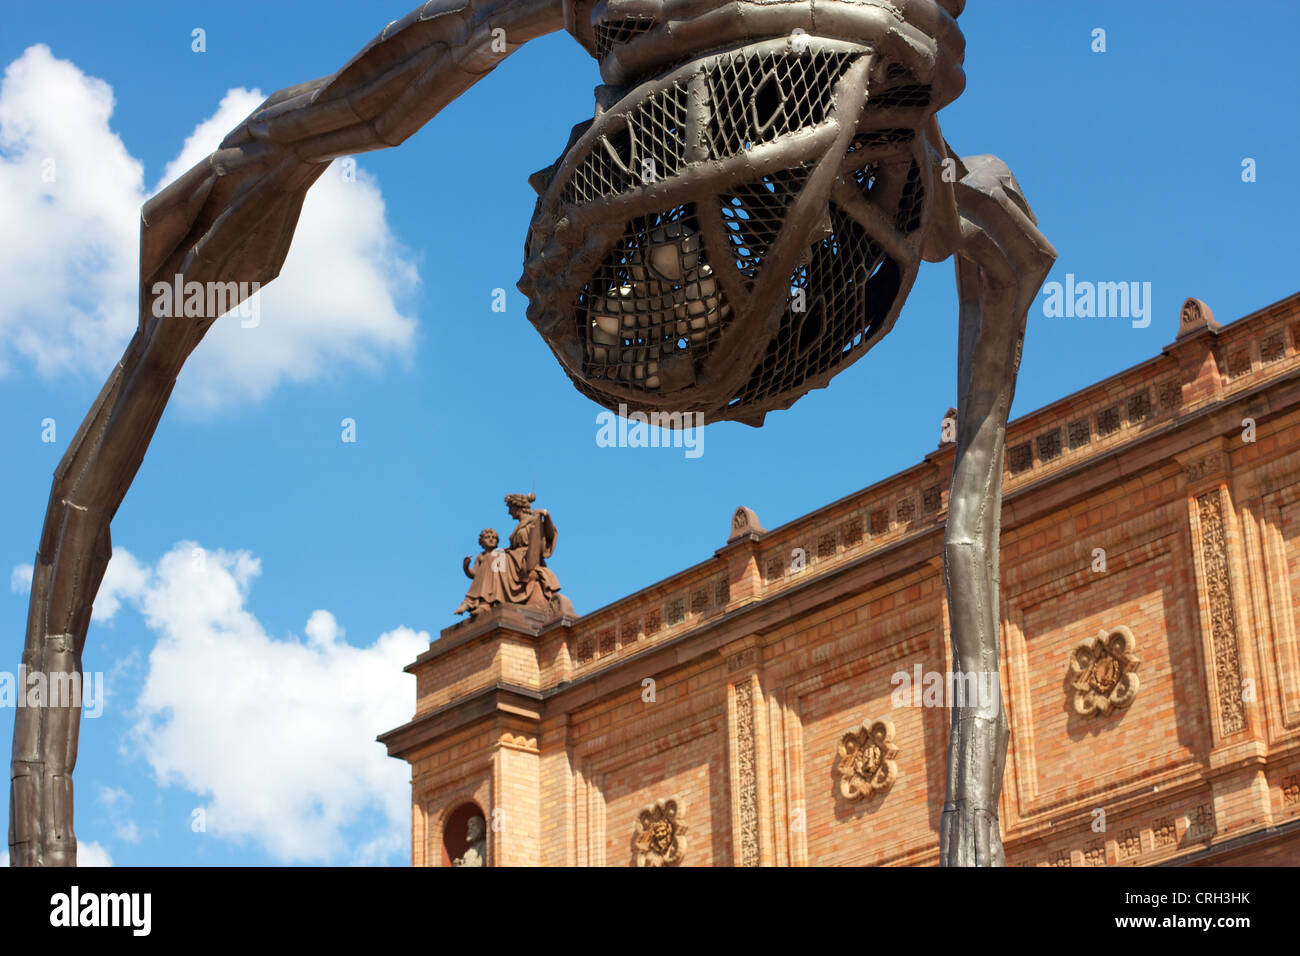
pixel 1104 672
pixel 866 760
pixel 660 834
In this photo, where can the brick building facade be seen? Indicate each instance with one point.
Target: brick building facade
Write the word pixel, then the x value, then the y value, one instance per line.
pixel 750 710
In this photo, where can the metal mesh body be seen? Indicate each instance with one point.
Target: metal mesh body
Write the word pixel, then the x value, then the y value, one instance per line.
pixel 736 230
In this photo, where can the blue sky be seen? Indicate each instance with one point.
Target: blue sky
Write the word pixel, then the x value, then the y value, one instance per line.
pixel 258 550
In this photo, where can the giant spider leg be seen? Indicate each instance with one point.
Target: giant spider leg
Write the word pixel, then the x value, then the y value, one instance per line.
pixel 1001 259
pixel 231 217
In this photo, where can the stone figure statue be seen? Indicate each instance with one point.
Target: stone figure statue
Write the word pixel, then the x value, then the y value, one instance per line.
pixel 476 853
pixel 488 539
pixel 741 219
pixel 517 574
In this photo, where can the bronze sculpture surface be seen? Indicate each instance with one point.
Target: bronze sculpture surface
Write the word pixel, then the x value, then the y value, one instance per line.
pixel 740 221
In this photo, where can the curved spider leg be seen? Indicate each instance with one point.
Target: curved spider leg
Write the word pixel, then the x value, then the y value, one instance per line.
pixel 1001 261
pixel 230 218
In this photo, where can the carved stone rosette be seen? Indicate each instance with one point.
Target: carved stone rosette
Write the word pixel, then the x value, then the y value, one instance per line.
pixel 1104 672
pixel 866 760
pixel 660 834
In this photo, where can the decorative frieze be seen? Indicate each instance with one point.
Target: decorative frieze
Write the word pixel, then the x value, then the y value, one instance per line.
pixel 1272 348
pixel 629 632
pixel 1200 823
pixel 1237 362
pixel 747 657
pixel 660 837
pixel 1223 618
pixel 675 611
pixel 1130 843
pixel 1164 832
pixel 1171 395
pixel 1210 464
pixel 1049 445
pixel 1108 421
pixel 866 760
pixel 519 742
pixel 1103 670
pixel 906 510
pixel 826 545
pixel 1137 407
pixel 852 532
pixel 747 773
pixel 721 592
pixel 1020 457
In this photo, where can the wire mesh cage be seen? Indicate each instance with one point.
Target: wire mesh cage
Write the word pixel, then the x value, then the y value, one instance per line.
pixel 735 231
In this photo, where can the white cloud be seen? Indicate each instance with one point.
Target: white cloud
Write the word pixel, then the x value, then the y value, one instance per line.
pixel 68 262
pixel 334 302
pixel 20 579
pixel 124 576
pixel 90 853
pixel 277 736
pixel 70 272
pixel 116 802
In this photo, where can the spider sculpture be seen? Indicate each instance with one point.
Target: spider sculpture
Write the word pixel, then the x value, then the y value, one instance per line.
pixel 741 220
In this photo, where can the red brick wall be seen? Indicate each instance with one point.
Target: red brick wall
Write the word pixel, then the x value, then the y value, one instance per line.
pixel 730 685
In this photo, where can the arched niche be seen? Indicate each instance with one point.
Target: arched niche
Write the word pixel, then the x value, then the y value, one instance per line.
pixel 455 830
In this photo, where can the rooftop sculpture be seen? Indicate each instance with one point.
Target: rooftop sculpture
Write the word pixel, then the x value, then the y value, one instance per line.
pixel 740 221
pixel 517 574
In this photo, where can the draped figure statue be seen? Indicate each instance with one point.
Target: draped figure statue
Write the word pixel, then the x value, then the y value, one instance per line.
pixel 517 574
